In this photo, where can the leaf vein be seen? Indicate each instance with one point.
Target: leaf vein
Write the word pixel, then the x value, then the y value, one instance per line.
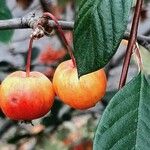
pixel 125 136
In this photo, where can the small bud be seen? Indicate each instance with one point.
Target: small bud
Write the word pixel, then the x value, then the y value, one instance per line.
pixel 38 32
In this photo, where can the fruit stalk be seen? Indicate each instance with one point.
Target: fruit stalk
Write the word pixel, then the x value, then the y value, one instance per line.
pixel 138 55
pixel 132 40
pixel 29 57
pixel 47 14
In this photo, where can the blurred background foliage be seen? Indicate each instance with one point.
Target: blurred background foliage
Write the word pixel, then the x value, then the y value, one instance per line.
pixel 63 127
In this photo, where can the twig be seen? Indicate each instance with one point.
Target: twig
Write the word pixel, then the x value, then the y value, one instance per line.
pixel 29 22
pixel 132 40
pixel 141 39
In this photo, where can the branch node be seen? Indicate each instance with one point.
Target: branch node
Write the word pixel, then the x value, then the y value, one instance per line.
pixel 40 27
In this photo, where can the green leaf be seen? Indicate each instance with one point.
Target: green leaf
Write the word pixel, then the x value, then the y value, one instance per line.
pixel 125 124
pixel 5 13
pixel 99 28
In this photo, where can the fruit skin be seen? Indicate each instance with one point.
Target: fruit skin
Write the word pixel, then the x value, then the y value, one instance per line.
pixel 26 98
pixel 80 93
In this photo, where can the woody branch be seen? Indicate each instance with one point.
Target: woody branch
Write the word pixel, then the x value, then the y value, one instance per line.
pixel 31 19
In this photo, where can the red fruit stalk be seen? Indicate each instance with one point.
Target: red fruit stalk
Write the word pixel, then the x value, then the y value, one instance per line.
pixel 47 14
pixel 131 43
pixel 29 57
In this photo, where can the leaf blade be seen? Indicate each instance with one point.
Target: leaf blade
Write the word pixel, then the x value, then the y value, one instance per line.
pixel 125 122
pixel 98 31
